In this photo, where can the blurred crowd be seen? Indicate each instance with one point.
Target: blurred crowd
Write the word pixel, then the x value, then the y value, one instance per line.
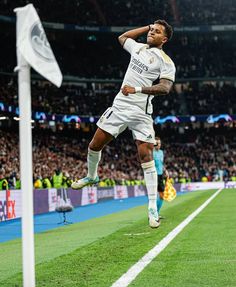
pixel 99 55
pixel 58 159
pixel 206 12
pixel 129 12
pixel 188 98
pixel 194 54
pixel 209 158
pixel 210 97
pixel 199 155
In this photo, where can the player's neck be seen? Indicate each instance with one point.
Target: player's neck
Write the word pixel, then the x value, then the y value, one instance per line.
pixel 158 47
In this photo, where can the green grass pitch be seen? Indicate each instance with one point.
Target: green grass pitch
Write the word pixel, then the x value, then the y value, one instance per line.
pixel 97 252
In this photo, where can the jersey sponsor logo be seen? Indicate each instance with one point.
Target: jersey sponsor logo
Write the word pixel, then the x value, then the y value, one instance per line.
pixel 138 66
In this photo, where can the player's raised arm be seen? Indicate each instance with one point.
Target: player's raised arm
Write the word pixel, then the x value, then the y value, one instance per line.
pixel 133 34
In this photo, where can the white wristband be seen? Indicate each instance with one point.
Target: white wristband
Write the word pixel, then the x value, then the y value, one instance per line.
pixel 138 89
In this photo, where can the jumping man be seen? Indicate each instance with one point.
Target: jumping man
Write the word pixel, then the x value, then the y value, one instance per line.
pixel 132 106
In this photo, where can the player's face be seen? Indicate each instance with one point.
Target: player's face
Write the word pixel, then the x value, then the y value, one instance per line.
pixel 158 144
pixel 156 36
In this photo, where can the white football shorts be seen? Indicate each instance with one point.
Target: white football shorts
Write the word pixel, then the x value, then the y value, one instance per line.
pixel 116 119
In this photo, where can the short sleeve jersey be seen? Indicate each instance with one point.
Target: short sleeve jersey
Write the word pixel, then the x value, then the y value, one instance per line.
pixel 146 66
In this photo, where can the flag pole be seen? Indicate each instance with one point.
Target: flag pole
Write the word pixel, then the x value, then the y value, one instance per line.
pixel 33 50
pixel 24 92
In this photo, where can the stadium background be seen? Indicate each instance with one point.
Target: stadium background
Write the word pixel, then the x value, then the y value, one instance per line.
pixel 196 123
pixel 83 35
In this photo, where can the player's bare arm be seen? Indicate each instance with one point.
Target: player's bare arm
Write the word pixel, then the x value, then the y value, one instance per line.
pixel 161 89
pixel 133 34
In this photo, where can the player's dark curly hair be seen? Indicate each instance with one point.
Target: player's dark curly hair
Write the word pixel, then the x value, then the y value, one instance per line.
pixel 168 28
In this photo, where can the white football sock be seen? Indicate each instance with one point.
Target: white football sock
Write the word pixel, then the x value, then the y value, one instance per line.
pixel 93 159
pixel 150 176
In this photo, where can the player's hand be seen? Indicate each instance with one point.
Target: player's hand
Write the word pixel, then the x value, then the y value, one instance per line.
pixel 126 90
pixel 166 173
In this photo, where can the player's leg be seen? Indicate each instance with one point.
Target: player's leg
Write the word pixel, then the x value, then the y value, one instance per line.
pixel 110 125
pixel 100 139
pixel 144 135
pixel 161 188
pixel 159 201
pixel 145 151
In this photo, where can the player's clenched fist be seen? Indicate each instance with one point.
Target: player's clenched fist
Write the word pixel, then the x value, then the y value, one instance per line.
pixel 126 90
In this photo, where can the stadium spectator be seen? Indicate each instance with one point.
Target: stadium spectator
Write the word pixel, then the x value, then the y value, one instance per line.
pixel 57 178
pixel 46 182
pixel 17 181
pixel 3 180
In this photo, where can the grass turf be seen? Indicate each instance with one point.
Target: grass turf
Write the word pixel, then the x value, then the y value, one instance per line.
pixel 203 254
pixel 99 251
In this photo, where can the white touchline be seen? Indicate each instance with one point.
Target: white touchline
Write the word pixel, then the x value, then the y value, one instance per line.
pixel 138 267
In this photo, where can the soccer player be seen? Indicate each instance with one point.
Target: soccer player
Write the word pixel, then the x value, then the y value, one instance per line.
pixel 158 157
pixel 132 106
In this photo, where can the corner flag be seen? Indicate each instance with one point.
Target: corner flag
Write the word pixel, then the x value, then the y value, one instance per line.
pixel 34 47
pixel 169 192
pixel 33 50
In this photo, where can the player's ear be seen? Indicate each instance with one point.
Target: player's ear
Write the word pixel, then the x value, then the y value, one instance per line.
pixel 164 40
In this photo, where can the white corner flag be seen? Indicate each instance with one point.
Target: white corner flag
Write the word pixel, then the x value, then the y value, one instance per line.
pixel 33 50
pixel 33 45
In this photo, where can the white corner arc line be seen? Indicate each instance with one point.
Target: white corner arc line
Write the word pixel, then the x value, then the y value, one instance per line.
pixel 138 267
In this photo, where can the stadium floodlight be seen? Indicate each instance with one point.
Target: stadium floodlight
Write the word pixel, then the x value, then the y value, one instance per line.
pixel 33 50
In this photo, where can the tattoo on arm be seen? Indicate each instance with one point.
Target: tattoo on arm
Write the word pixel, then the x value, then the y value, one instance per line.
pixel 161 89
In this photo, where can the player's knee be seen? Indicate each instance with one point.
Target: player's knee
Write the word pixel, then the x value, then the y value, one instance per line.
pixel 100 139
pixel 145 151
pixel 95 146
pixel 148 165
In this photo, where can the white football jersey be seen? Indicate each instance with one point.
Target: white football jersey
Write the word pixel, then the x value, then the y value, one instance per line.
pixel 146 66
